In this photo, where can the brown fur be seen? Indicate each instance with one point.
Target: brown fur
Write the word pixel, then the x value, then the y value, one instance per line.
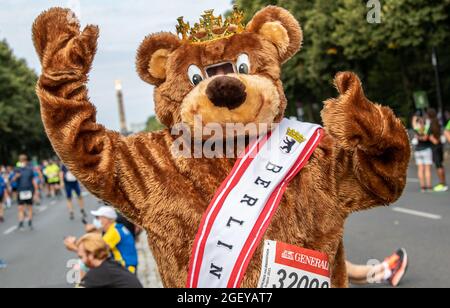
pixel 361 162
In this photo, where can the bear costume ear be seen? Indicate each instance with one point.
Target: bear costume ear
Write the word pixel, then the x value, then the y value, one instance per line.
pixel 278 26
pixel 152 56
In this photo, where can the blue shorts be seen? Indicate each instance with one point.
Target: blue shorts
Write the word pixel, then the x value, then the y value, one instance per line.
pixel 72 186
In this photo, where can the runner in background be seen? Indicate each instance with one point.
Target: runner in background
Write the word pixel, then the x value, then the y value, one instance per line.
pixel 71 184
pixel 52 174
pixel 12 183
pixel 26 188
pixel 45 184
pixel 39 178
pixel 3 194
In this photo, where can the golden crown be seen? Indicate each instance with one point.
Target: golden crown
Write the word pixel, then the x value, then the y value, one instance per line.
pixel 210 27
pixel 295 135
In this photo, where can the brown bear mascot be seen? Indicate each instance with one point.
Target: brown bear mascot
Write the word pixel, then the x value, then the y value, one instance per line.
pixel 233 76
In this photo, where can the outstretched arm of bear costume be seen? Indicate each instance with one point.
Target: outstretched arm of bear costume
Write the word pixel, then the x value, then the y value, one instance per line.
pixel 87 148
pixel 374 142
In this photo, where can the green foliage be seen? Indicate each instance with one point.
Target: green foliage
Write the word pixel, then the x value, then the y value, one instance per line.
pixel 393 58
pixel 153 124
pixel 21 129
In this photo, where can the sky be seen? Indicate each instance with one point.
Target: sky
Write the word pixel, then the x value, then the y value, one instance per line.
pixel 123 26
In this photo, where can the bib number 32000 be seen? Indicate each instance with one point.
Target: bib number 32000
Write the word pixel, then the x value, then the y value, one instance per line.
pixel 287 266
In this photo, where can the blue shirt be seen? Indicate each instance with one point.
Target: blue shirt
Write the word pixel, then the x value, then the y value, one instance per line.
pixel 122 245
pixel 25 181
pixel 2 186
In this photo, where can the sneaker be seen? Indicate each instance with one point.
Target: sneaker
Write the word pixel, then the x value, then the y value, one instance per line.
pixel 30 225
pixel 72 216
pixel 2 220
pixel 440 188
pixel 398 264
pixel 21 227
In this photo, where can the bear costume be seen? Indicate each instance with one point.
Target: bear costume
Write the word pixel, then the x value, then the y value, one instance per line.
pixel 360 163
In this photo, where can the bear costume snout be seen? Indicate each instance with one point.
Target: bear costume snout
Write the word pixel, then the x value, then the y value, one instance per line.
pixel 225 91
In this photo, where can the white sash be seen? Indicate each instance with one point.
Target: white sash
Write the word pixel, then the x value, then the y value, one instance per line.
pixel 244 205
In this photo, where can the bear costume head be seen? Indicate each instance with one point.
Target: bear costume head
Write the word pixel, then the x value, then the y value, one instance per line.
pixel 360 163
pixel 232 80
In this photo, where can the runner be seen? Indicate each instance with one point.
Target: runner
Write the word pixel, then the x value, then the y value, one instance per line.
pixel 3 194
pixel 12 183
pixel 71 184
pixel 52 174
pixel 435 134
pixel 46 185
pixel 392 270
pixel 26 188
pixel 39 178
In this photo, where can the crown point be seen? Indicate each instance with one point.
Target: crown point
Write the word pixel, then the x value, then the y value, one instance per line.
pixel 210 27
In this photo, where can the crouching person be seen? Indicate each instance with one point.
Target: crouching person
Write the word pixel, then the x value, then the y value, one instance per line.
pixel 103 271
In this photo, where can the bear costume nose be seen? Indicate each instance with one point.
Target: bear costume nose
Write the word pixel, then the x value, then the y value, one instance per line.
pixel 225 91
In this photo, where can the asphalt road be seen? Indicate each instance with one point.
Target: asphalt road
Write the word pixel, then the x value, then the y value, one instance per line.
pixel 38 258
pixel 418 222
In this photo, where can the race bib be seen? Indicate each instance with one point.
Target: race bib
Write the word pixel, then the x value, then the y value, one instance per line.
pixel 70 177
pixel 288 266
pixel 26 195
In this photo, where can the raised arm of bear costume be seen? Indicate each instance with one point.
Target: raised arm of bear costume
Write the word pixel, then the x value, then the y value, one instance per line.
pixel 361 162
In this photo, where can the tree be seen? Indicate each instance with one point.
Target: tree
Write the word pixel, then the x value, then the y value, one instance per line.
pixel 153 124
pixel 21 129
pixel 393 58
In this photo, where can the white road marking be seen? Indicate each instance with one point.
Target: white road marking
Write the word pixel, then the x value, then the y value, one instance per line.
pixel 85 193
pixel 10 230
pixel 42 208
pixel 417 213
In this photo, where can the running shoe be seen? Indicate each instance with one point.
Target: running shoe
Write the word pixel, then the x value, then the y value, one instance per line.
pixel 440 188
pixel 398 264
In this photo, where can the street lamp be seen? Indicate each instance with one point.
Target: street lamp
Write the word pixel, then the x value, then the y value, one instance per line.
pixel 435 62
pixel 123 122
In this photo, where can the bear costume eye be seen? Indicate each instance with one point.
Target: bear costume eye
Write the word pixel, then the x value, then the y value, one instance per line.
pixel 195 74
pixel 243 64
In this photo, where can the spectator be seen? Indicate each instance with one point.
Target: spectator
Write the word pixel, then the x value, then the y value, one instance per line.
pixel 103 271
pixel 422 151
pixel 447 131
pixel 117 236
pixel 435 134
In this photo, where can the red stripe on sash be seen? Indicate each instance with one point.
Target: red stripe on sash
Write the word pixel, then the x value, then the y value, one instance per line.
pixel 269 210
pixel 213 210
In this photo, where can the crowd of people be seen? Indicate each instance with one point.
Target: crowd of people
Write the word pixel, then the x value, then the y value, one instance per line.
pixel 108 255
pixel 430 136
pixel 26 183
